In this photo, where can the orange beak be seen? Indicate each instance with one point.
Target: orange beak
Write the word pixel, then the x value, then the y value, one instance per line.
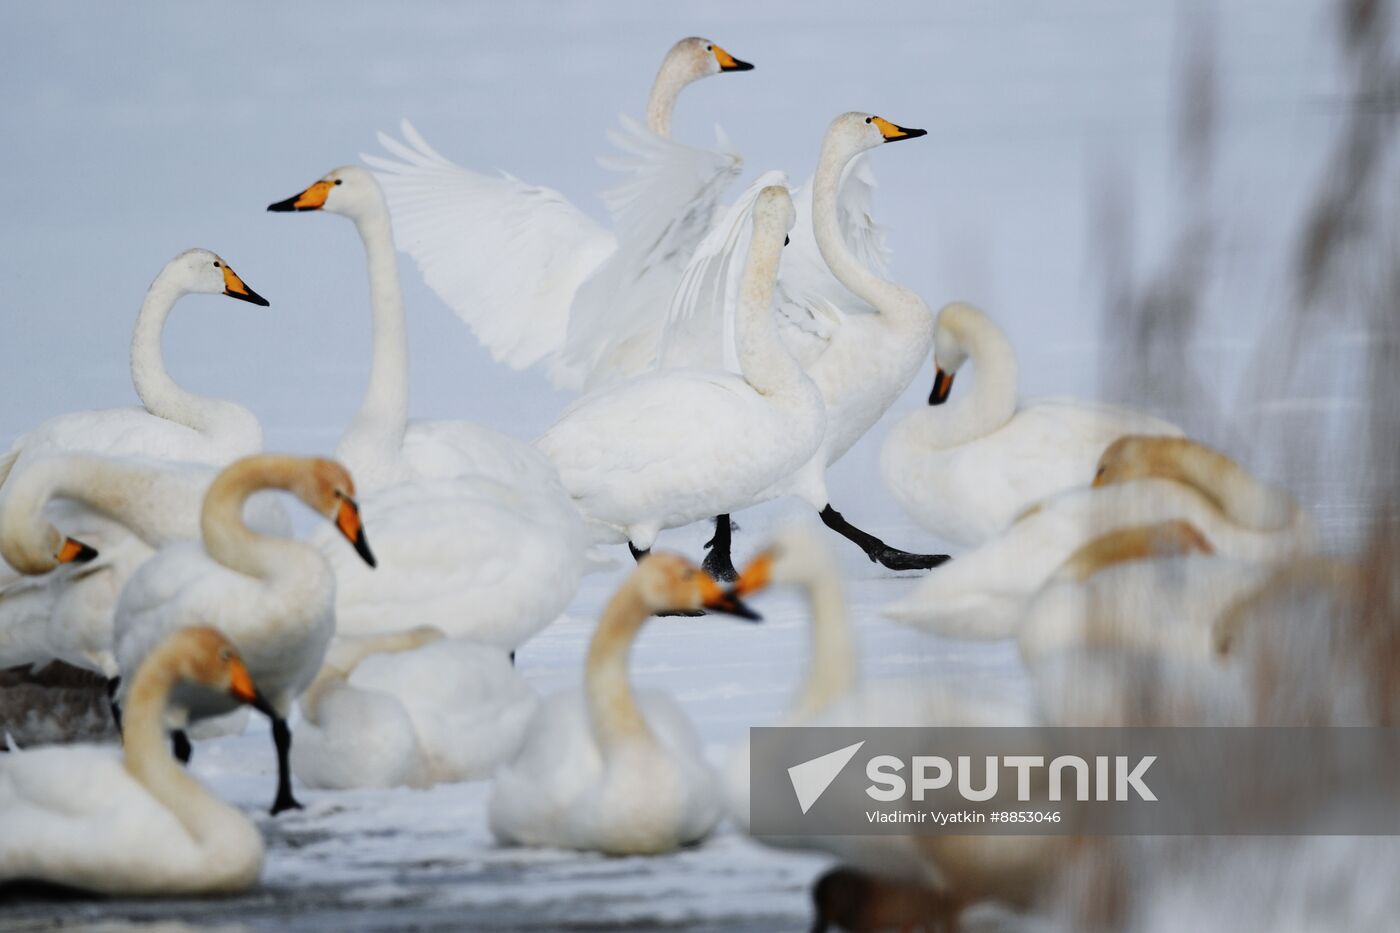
pixel 713 596
pixel 891 132
pixel 347 519
pixel 241 682
pixel 234 287
pixel 312 199
pixel 728 62
pixel 73 551
pixel 756 576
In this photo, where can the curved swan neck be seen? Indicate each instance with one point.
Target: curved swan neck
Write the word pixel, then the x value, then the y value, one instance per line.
pixel 379 424
pixel 832 672
pixel 229 540
pixel 671 79
pixel 159 393
pixel 765 362
pixel 1231 489
pixel 145 752
pixel 990 402
pixel 612 706
pixel 899 305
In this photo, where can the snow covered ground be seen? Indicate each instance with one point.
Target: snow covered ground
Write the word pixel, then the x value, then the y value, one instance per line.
pixel 134 132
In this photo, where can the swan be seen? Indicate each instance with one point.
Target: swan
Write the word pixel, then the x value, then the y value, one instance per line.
pixel 114 513
pixel 272 597
pixel 608 768
pixel 410 708
pixel 477 536
pixel 964 470
pixel 1139 481
pixel 657 451
pixel 536 279
pixel 176 424
pixel 860 337
pixel 135 824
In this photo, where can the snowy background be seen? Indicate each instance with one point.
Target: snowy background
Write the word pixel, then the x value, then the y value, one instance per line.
pixel 132 132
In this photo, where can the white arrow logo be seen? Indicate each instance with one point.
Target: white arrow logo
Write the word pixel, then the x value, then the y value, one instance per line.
pixel 811 778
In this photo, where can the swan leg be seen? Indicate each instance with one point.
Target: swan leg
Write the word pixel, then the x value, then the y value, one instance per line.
pixel 113 685
pixel 719 563
pixel 877 550
pixel 181 747
pixel 282 738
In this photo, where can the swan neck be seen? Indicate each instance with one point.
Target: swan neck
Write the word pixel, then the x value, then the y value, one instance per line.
pixel 897 304
pixel 612 706
pixel 1230 488
pixel 159 393
pixel 991 400
pixel 383 415
pixel 765 362
pixel 145 752
pixel 667 87
pixel 832 673
pixel 229 540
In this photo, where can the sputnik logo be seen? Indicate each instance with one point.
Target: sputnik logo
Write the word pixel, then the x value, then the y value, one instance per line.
pixel 811 778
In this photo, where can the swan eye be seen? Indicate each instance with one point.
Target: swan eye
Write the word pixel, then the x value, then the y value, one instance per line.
pixel 225 654
pixel 868 119
pixel 340 181
pixel 217 264
pixel 709 48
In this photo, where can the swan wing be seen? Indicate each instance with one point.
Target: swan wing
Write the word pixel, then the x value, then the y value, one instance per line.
pixel 505 255
pixel 662 209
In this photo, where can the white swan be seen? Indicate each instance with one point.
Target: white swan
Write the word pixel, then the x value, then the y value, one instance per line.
pixel 1141 481
pixel 963 470
pixel 272 597
pixel 410 708
pixel 476 535
pixel 860 337
pixel 176 424
pixel 665 449
pixel 77 526
pixel 608 768
pixel 135 823
pixel 538 280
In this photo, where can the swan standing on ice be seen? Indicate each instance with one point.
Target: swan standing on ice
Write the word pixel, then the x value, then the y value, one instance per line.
pixel 78 526
pixel 860 337
pixel 137 824
pixel 1140 481
pixel 273 597
pixel 475 533
pixel 965 469
pixel 176 424
pixel 665 449
pixel 410 708
pixel 537 279
pixel 605 767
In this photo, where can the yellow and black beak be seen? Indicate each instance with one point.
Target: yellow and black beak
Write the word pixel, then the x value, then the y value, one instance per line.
pixel 242 688
pixel 716 599
pixel 728 62
pixel 235 287
pixel 347 519
pixel 73 551
pixel 942 386
pixel 893 133
pixel 312 199
pixel 756 576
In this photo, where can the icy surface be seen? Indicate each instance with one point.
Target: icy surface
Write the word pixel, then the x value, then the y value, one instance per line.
pixel 134 132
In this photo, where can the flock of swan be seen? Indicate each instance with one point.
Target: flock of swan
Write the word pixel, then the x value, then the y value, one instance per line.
pixel 724 356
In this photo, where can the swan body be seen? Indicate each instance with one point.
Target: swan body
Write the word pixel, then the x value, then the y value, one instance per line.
pixel 537 280
pixel 654 452
pixel 478 536
pixel 985 593
pixel 860 337
pixel 57 599
pixel 964 469
pixel 273 597
pixel 606 767
pixel 175 424
pixel 133 823
pixel 410 709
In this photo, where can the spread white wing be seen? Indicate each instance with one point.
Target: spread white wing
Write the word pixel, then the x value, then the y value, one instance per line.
pixel 811 303
pixel 507 256
pixel 662 209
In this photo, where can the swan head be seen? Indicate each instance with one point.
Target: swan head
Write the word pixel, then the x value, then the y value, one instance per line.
pixel 54 550
pixel 670 583
pixel 694 58
pixel 199 271
pixel 796 557
pixel 348 190
pixel 856 132
pixel 956 324
pixel 773 213
pixel 203 655
pixel 327 487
